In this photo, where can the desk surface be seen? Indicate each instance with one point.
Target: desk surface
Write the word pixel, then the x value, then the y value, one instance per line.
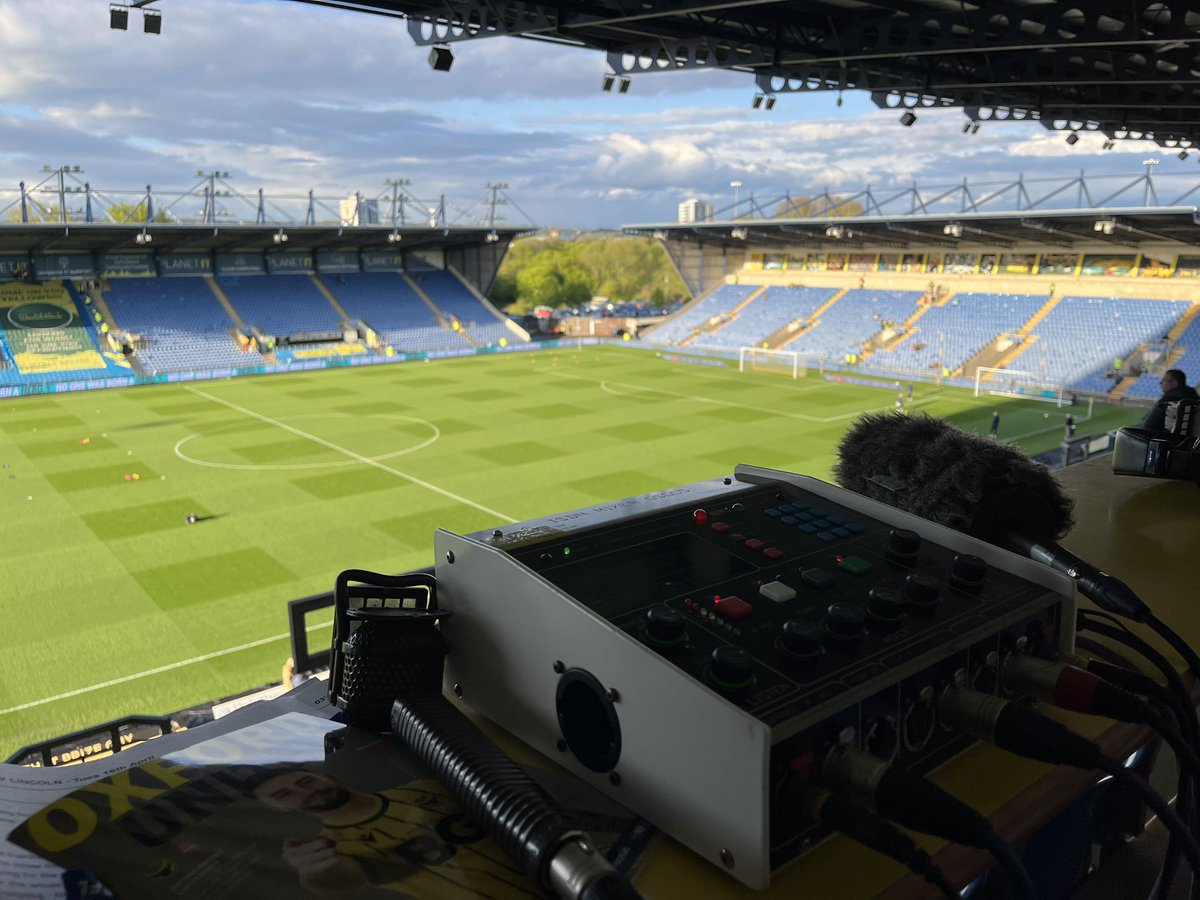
pixel 1141 530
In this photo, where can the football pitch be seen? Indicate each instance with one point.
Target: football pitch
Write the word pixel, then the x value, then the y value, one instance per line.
pixel 113 605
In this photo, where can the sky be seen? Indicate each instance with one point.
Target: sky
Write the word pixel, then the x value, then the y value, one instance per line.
pixel 289 98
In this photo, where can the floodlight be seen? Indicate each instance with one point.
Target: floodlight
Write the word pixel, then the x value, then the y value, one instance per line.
pixel 770 104
pixel 1072 139
pixel 1182 154
pixel 492 237
pixel 279 237
pixel 908 118
pixel 1108 145
pixel 966 126
pixel 151 21
pixel 143 238
pixel 624 86
pixel 757 101
pixel 118 17
pixel 440 58
pixel 394 237
pixel 975 128
pixel 607 84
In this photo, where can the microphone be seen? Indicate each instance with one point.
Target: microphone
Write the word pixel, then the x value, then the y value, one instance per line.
pixel 989 490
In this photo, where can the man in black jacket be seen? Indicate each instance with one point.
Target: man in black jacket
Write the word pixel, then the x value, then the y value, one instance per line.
pixel 1175 387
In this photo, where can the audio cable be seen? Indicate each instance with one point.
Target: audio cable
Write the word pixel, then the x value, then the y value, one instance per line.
pixel 801 804
pixel 915 802
pixel 1084 690
pixel 1017 728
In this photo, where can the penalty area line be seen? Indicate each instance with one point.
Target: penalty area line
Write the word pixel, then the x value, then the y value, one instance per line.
pixel 158 670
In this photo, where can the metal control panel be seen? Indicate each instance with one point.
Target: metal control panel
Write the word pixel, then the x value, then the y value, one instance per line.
pixel 682 649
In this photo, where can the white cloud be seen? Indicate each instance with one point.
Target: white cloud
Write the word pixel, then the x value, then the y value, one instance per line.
pixel 288 96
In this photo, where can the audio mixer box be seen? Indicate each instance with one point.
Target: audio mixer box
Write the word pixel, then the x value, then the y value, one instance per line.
pixel 685 650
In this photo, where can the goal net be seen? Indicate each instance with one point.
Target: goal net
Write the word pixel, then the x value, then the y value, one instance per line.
pixel 780 362
pixel 994 382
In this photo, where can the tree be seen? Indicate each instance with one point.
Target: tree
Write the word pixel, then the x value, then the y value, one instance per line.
pixel 124 212
pixel 831 206
pixel 553 279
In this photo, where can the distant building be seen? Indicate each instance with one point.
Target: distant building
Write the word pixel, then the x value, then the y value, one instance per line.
pixel 695 210
pixel 355 210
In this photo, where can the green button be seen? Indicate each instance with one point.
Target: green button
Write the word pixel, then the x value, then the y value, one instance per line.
pixel 855 565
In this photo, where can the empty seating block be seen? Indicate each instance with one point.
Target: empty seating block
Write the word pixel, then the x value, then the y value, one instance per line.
pixel 766 314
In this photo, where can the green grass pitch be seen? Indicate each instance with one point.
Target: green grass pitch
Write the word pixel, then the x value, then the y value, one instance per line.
pixel 112 605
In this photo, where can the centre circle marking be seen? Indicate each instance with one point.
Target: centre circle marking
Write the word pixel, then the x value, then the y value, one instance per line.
pixel 433 437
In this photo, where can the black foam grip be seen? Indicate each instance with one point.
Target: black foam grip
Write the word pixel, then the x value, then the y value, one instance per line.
pixel 517 812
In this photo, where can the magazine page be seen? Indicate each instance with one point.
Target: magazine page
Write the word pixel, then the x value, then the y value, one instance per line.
pixel 294 806
pixel 25 790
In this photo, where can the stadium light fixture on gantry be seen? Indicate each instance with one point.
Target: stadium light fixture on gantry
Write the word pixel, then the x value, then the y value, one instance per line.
pixel 143 237
pixel 908 118
pixel 280 237
pixel 394 237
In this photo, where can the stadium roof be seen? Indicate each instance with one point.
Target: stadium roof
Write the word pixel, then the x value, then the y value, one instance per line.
pixel 1129 70
pixel 167 237
pixel 1130 227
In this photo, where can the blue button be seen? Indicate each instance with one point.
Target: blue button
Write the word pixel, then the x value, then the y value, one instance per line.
pixel 822 523
pixel 789 520
pixel 774 513
pixel 826 537
pixel 854 528
pixel 805 516
pixel 836 520
pixel 842 532
pixel 787 508
pixel 808 529
pixel 816 510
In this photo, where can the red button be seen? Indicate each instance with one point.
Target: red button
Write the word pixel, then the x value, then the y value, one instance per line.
pixel 773 553
pixel 755 544
pixel 720 527
pixel 701 516
pixel 732 607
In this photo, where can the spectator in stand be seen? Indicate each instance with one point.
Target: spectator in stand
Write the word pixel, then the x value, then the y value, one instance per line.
pixel 1175 387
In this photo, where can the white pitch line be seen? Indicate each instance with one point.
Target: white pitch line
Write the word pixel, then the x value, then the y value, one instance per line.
pixel 606 384
pixel 158 670
pixel 366 460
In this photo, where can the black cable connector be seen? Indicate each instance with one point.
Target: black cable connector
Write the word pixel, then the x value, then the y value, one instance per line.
pixel 917 803
pixel 1025 732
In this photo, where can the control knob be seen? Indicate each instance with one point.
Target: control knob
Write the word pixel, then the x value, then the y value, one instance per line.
pixel 968 571
pixel 845 622
pixel 665 626
pixel 801 639
pixel 730 668
pixel 885 608
pixel 921 594
pixel 903 545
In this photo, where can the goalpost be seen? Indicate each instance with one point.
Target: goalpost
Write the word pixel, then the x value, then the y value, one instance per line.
pixel 1014 383
pixel 780 362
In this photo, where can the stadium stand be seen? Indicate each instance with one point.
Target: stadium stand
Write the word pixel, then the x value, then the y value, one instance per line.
pixel 1081 336
pixel 685 323
pixel 946 337
pixel 387 304
pixel 853 320
pixel 775 308
pixel 483 325
pixel 280 304
pixel 182 325
pixel 1147 387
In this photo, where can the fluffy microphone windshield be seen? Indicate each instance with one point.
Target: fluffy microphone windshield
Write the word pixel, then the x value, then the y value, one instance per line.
pixel 968 482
